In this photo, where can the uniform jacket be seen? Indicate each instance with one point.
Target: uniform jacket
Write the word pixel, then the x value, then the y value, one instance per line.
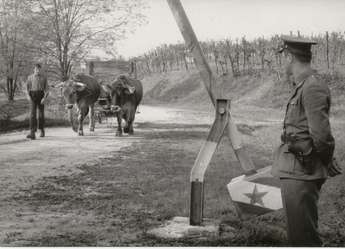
pixel 307 117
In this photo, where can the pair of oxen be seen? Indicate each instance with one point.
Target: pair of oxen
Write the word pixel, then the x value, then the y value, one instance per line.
pixel 84 90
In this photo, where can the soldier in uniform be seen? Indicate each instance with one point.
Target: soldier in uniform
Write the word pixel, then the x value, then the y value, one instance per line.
pixel 37 92
pixel 304 159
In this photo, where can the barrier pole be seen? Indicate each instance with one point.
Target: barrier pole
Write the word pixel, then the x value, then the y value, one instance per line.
pixel 204 158
pixel 206 152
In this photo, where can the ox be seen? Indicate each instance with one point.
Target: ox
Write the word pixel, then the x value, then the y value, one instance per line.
pixel 82 90
pixel 126 94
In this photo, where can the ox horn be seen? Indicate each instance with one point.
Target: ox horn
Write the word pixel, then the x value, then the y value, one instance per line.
pixel 106 88
pixel 80 86
pixel 58 85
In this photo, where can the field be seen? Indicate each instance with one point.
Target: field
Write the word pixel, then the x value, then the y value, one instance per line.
pixel 100 190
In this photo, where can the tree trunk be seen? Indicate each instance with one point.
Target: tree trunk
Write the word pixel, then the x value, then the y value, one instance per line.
pixel 10 89
pixel 185 61
pixel 133 71
pixel 262 58
pixel 91 68
pixel 237 57
pixel 234 73
pixel 244 61
pixel 215 56
pixel 327 49
pixel 147 59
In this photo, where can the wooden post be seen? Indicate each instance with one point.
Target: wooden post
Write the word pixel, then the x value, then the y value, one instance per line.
pixel 204 158
pixel 133 71
pixel 91 67
pixel 327 49
pixel 193 46
pixel 228 48
pixel 206 74
pixel 222 123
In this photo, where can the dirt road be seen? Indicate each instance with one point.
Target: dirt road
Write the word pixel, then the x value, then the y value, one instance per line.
pixel 101 190
pixel 23 161
pixel 25 164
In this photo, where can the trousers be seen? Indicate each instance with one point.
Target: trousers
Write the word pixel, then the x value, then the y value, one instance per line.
pixel 36 97
pixel 300 204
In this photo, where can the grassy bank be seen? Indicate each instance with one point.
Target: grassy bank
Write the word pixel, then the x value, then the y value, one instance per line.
pixel 14 115
pixel 264 89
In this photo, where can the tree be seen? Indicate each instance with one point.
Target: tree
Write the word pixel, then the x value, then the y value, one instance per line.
pixel 74 29
pixel 15 40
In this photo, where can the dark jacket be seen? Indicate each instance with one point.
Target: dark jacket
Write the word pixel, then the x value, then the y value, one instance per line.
pixel 307 119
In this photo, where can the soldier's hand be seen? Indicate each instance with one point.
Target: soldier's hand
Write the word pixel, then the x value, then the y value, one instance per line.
pixel 334 168
pixel 43 101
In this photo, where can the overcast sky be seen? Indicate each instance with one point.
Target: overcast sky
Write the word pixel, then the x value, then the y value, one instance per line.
pixel 218 19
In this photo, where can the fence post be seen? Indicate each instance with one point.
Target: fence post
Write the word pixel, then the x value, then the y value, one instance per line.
pixel 327 49
pixel 91 67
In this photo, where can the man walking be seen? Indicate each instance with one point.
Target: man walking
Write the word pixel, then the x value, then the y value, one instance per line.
pixel 304 159
pixel 37 92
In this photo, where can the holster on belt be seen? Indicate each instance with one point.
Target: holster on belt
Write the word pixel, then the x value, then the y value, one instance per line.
pixel 304 153
pixel 302 148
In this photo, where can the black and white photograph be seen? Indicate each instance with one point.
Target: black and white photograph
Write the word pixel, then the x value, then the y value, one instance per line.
pixel 172 123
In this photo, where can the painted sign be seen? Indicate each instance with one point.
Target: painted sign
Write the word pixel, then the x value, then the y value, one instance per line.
pixel 256 194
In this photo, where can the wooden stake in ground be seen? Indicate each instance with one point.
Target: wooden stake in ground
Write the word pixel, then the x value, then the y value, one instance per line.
pixel 204 158
pixel 327 49
pixel 208 149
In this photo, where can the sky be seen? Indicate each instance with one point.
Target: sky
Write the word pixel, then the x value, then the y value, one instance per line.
pixel 220 19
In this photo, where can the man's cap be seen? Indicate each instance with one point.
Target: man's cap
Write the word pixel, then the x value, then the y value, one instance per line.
pixel 76 77
pixel 38 65
pixel 297 45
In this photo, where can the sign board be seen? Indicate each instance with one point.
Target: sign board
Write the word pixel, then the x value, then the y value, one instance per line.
pixel 256 194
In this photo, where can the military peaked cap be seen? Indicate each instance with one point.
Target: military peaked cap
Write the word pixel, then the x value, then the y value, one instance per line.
pixel 297 45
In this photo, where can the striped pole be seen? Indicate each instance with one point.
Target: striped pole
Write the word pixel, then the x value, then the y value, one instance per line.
pixel 222 123
pixel 203 159
pixel 208 80
pixel 237 145
pixel 193 46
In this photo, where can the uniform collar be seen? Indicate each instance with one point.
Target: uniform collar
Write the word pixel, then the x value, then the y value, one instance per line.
pixel 299 83
pixel 301 79
pixel 303 76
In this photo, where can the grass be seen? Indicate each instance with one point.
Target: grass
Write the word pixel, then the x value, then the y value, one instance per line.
pixel 115 201
pixel 13 108
pixel 14 115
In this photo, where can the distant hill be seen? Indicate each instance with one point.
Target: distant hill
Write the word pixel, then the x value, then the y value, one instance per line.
pixel 186 88
pixel 182 88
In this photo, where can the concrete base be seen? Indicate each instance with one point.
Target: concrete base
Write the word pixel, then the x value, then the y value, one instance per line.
pixel 179 227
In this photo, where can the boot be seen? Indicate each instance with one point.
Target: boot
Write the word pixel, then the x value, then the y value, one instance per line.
pixel 31 136
pixel 42 133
